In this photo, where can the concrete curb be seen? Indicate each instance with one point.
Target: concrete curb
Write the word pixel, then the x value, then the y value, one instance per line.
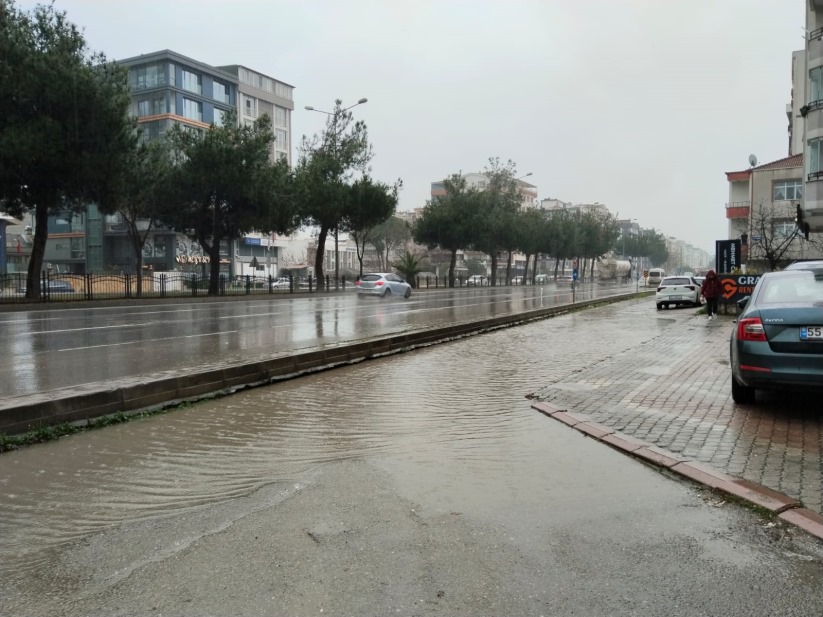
pixel 148 393
pixel 782 506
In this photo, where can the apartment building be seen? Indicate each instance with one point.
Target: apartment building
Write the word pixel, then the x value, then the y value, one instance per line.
pixel 808 82
pixel 259 95
pixel 480 181
pixel 767 193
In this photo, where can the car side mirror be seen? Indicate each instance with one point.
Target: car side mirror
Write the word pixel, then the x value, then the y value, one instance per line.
pixel 741 304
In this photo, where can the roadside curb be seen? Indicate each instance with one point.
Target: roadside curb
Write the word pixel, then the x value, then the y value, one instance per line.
pixel 784 507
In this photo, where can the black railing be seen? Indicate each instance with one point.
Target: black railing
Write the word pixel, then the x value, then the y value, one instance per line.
pixel 63 288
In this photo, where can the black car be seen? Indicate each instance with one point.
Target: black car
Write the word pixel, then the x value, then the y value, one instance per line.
pixel 778 340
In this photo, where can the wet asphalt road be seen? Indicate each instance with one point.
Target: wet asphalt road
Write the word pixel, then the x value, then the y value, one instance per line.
pixel 420 484
pixel 49 349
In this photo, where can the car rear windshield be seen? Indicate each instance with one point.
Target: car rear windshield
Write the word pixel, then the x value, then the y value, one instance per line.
pixel 371 277
pixel 676 281
pixel 795 289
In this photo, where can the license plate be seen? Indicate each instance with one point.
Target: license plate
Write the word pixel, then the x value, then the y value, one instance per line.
pixel 811 333
pixel 674 297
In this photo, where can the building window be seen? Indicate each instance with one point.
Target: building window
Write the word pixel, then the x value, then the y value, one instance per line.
pixel 219 117
pixel 282 90
pixel 147 76
pixel 151 107
pixel 250 106
pixel 815 159
pixel 281 139
pixel 78 248
pixel 816 84
pixel 280 116
pixel 192 82
pixel 788 190
pixel 221 92
pixel 193 110
pixel 785 228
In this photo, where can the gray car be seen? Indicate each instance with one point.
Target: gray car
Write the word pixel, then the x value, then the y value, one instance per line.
pixel 778 339
pixel 382 284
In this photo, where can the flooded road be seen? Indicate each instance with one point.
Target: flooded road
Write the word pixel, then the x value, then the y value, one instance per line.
pixel 50 349
pixel 416 484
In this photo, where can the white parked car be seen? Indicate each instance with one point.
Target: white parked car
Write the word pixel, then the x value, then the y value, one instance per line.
pixel 477 280
pixel 677 291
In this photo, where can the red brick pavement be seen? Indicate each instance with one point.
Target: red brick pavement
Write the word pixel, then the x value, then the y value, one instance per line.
pixel 671 388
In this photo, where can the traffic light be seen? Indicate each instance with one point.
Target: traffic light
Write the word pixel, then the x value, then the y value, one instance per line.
pixel 801 223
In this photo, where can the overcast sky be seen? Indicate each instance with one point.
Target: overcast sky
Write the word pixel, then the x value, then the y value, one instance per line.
pixel 639 104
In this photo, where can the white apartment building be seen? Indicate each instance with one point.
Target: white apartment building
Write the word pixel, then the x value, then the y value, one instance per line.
pixel 808 83
pixel 258 95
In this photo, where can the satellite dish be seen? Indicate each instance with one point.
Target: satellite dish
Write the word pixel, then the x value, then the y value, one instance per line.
pixel 752 160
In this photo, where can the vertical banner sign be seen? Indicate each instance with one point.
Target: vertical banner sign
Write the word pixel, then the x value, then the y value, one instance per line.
pixel 727 255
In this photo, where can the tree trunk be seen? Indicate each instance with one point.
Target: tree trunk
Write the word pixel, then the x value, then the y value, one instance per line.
pixel 509 269
pixel 38 250
pixel 494 270
pixel 214 269
pixel 138 260
pixel 452 266
pixel 556 266
pixel 526 271
pixel 318 259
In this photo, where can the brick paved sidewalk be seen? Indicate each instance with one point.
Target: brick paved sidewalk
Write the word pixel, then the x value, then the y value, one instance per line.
pixel 672 389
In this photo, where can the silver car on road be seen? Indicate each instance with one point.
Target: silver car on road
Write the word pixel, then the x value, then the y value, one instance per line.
pixel 382 284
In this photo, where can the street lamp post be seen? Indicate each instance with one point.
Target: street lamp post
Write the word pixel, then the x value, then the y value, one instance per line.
pixel 336 251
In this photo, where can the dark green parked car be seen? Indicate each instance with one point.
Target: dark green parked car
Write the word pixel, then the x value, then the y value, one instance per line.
pixel 778 339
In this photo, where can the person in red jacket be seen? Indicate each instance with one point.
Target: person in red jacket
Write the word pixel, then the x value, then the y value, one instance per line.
pixel 711 291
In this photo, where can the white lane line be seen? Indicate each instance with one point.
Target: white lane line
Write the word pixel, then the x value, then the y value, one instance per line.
pixel 152 340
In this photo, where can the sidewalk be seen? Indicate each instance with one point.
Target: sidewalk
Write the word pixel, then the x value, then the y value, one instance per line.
pixel 672 389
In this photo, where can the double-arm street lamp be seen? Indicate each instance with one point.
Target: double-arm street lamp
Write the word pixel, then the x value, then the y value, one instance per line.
pixel 336 252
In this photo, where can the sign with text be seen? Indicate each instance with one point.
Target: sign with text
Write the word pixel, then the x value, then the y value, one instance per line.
pixel 727 255
pixel 737 286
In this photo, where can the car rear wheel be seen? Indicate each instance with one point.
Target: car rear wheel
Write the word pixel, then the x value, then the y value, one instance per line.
pixel 407 294
pixel 742 394
pixel 659 307
pixel 387 293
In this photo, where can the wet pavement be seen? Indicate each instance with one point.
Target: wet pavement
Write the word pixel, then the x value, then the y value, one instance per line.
pixel 419 484
pixel 95 343
pixel 670 386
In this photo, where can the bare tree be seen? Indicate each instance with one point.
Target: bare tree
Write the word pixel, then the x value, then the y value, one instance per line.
pixel 774 238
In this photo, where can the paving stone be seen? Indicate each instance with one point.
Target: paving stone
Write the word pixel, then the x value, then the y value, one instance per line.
pixel 670 387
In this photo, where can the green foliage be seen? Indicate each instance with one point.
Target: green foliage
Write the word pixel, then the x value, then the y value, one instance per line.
pixel 325 168
pixel 475 266
pixel 144 193
pixel 647 244
pixel 226 186
pixel 369 204
pixel 409 266
pixel 387 236
pixel 64 126
pixel 450 221
pixel 496 228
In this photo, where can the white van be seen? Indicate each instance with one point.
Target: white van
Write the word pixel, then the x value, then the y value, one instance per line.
pixel 655 276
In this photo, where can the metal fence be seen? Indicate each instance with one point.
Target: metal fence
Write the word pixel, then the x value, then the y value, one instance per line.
pixel 74 287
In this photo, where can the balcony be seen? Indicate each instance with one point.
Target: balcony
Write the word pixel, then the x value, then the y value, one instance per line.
pixel 738 209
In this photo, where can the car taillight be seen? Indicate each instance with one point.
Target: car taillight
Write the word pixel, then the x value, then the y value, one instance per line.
pixel 378 283
pixel 751 329
pixel 690 287
pixel 356 282
pixel 660 288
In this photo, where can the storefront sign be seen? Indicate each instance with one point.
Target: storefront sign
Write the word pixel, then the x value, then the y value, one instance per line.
pixel 728 255
pixel 737 286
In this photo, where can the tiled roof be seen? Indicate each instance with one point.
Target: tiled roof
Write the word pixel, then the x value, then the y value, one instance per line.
pixel 786 163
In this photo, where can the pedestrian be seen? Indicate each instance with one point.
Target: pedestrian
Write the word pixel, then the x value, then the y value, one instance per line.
pixel 711 291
